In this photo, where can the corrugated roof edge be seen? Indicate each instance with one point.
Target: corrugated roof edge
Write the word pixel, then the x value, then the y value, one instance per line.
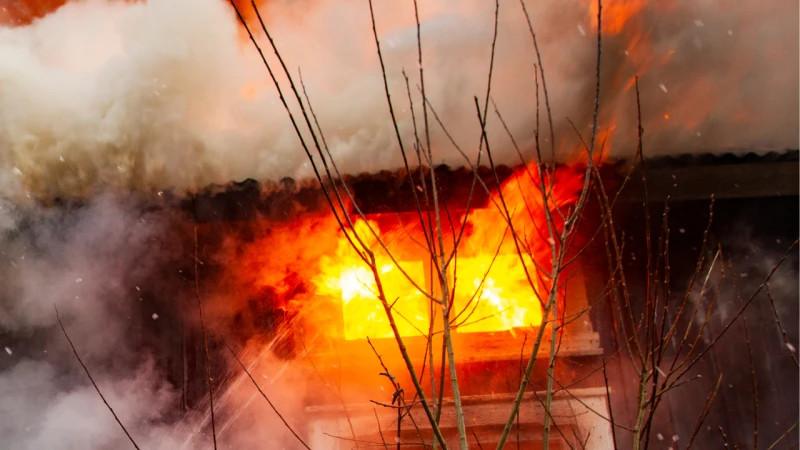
pixel 704 159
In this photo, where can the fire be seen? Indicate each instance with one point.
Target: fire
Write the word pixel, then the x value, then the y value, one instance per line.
pixel 245 8
pixel 21 13
pixel 494 289
pixel 362 311
pixel 497 295
pixel 24 12
pixel 617 13
pixel 345 276
pixel 318 276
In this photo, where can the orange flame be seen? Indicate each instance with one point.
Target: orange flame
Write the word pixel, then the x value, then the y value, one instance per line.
pixel 492 288
pixel 616 13
pixel 495 289
pixel 21 13
pixel 345 276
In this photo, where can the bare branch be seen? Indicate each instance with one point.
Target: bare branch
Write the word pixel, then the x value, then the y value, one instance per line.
pixel 205 339
pixel 92 380
pixel 271 405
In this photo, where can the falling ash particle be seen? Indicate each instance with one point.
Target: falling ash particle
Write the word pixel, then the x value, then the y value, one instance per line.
pixel 8 350
pixel 663 88
pixel 581 30
pixel 660 436
pixel 788 345
pixel 154 316
pixel 699 23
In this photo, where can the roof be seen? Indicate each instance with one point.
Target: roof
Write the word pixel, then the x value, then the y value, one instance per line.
pixel 682 177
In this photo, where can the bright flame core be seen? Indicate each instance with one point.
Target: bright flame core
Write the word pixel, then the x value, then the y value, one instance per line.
pixel 494 289
pixel 363 313
pixel 497 295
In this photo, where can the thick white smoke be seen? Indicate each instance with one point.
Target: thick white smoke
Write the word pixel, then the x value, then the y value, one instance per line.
pixel 170 94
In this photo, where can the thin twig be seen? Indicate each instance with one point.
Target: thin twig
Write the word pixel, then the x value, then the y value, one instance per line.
pixel 205 339
pixel 289 427
pixel 92 380
pixel 724 436
pixel 610 411
pixel 786 343
pixel 476 440
pixel 750 358
pixel 783 436
pixel 380 431
pixel 705 411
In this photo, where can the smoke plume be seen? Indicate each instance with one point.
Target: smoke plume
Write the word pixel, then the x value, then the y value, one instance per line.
pixel 171 94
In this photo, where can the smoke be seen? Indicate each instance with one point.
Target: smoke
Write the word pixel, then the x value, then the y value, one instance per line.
pixel 89 262
pixel 109 265
pixel 171 94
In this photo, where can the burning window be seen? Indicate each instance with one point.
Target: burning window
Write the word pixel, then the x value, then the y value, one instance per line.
pixel 363 314
pixel 492 294
pixel 496 295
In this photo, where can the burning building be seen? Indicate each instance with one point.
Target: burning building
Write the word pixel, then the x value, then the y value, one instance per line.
pixel 463 275
pixel 346 368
